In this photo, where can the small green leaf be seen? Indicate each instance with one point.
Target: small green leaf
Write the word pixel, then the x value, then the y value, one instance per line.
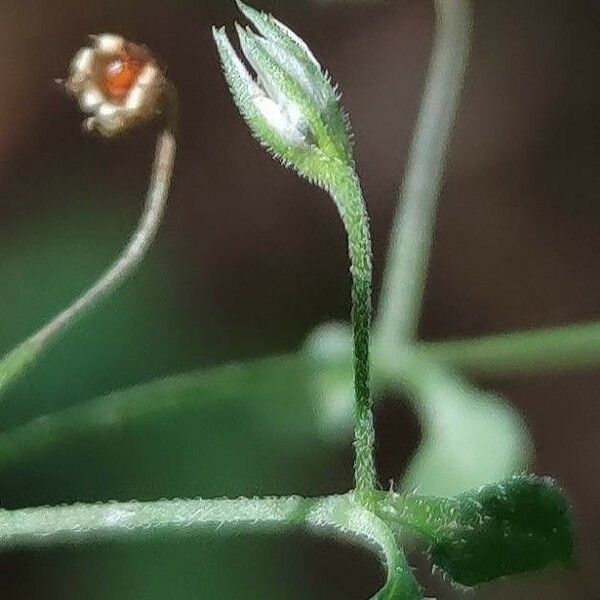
pixel 516 526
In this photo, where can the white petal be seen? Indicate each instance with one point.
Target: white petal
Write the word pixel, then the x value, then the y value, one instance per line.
pixel 82 63
pixel 280 120
pixel 90 99
pixel 150 75
pixel 110 119
pixel 136 98
pixel 108 110
pixel 110 124
pixel 108 43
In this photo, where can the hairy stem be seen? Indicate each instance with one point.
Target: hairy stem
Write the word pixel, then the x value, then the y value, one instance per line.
pixel 412 230
pixel 50 525
pixel 556 349
pixel 425 515
pixel 92 523
pixel 348 197
pixel 16 361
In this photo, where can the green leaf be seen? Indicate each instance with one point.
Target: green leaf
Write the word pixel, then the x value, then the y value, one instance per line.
pixel 516 526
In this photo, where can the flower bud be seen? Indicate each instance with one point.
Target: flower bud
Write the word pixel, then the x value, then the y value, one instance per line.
pixel 291 106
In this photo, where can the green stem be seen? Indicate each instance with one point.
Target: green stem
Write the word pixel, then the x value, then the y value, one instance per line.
pixel 412 230
pixel 16 361
pixel 557 349
pixel 348 197
pixel 92 523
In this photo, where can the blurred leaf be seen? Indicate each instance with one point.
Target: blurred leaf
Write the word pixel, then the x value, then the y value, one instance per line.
pixel 225 415
pixel 470 438
pixel 519 525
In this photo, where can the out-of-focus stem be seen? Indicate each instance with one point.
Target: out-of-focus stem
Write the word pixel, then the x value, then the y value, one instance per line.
pixel 558 349
pixel 412 230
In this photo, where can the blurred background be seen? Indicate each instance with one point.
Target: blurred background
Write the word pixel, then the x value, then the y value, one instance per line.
pixel 251 259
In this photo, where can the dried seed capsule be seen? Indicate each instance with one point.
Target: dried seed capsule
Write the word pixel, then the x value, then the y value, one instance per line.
pixel 118 83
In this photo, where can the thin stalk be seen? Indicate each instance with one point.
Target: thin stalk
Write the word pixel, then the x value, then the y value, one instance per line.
pixel 557 349
pixel 412 230
pixel 16 361
pixel 348 197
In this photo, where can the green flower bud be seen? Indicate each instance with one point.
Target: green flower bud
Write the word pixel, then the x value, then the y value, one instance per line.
pixel 291 106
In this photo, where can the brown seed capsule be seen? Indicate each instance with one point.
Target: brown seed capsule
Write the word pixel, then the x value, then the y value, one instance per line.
pixel 118 83
pixel 120 76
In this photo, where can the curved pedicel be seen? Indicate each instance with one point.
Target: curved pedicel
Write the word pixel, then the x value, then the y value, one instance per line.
pixel 119 86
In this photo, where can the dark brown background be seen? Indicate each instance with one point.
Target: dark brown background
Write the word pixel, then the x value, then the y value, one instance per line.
pixel 517 240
